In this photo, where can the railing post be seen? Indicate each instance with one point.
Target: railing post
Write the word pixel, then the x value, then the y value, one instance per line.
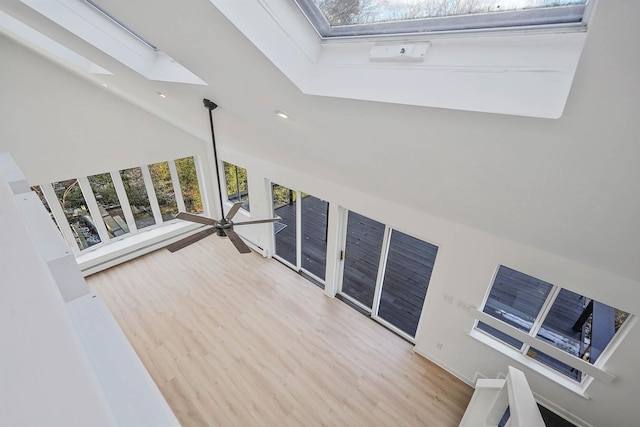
pixel 492 398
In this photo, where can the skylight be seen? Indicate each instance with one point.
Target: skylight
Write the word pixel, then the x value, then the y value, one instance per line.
pixel 344 18
pixel 12 26
pixel 93 24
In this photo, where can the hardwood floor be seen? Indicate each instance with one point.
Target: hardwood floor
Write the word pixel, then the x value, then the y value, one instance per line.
pixel 241 340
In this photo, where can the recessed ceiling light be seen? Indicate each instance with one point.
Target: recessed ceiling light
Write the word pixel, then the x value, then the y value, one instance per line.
pixel 281 114
pixel 104 85
pixel 162 95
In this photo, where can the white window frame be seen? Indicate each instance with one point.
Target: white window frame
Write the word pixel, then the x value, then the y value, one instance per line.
pixel 223 178
pixel 593 371
pixel 199 178
pixel 122 196
pixel 94 210
pixel 382 267
pixel 566 16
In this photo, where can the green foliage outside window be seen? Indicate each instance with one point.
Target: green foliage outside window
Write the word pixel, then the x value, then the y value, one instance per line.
pixel 75 209
pixel 235 178
pixel 282 196
pixel 189 183
pixel 163 185
pixel 133 182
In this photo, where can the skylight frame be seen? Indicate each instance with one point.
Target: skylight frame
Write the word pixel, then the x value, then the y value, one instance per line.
pixel 24 33
pixel 93 25
pixel 570 15
pixel 121 25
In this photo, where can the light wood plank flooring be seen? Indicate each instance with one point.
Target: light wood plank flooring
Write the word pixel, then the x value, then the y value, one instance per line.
pixel 239 340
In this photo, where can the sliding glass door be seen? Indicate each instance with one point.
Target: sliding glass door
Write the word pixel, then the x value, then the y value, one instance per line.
pixel 386 272
pixel 362 258
pixel 313 242
pixel 409 263
pixel 286 236
pixel 301 234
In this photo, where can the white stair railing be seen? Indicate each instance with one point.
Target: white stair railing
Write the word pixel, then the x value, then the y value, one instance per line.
pixel 492 397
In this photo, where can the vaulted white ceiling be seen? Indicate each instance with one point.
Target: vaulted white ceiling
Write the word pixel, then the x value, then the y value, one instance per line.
pixel 568 186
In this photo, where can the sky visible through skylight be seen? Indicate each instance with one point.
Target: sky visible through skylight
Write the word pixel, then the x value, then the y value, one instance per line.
pixel 353 12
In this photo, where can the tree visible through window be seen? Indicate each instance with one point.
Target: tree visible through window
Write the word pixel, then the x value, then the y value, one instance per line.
pixel 133 182
pixel 188 178
pixel 109 204
pixel 165 193
pixel 121 201
pixel 351 12
pixel 235 179
pixel 368 17
pixel 75 209
pixel 38 190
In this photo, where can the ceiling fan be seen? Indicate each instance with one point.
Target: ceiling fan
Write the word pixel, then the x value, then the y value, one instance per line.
pixel 224 226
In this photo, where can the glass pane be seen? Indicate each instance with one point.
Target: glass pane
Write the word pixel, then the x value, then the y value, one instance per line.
pixel 500 335
pixel 138 198
pixel 579 326
pixel 109 204
pixel 284 206
pixel 333 18
pixel 362 257
pixel 406 279
pixel 558 326
pixel 163 185
pixel 555 364
pixel 38 190
pixel 235 179
pixel 188 177
pixel 516 298
pixel 75 209
pixel 314 235
pixel 353 12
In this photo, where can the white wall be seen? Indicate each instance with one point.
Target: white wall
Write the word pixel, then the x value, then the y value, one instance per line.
pixel 47 378
pixel 58 126
pixel 466 261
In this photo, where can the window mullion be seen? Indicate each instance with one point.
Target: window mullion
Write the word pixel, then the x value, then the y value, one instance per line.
pixel 298 227
pixel 124 201
pixel 177 188
pixel 94 209
pixel 382 266
pixel 546 307
pixel 61 218
pixel 222 183
pixel 151 194
pixel 204 195
pixel 239 197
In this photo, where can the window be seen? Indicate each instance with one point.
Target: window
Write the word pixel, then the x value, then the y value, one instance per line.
pixel 386 273
pixel 97 27
pixel 38 190
pixel 77 215
pixel 300 236
pixel 235 179
pixel 339 18
pixel 286 232
pixel 96 209
pixel 165 192
pixel 134 186
pixel 188 178
pixel 554 317
pixel 109 204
